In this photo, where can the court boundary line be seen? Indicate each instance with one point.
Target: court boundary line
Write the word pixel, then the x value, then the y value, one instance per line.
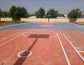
pixel 65 36
pixel 8 37
pixel 81 51
pixel 6 42
pixel 65 54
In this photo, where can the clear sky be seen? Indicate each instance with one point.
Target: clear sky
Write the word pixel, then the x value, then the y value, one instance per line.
pixel 63 6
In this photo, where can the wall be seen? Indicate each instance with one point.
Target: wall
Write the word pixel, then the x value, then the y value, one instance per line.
pixel 80 20
pixel 6 19
pixel 43 20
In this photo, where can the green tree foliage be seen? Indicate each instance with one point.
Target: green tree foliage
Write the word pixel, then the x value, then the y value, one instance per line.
pixel 75 13
pixel 0 13
pixel 52 13
pixel 12 11
pixel 5 14
pixel 40 13
pixel 18 12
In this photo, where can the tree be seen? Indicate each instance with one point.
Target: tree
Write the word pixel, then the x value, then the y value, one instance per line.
pixel 0 13
pixel 52 13
pixel 12 11
pixel 18 12
pixel 5 14
pixel 74 14
pixel 40 13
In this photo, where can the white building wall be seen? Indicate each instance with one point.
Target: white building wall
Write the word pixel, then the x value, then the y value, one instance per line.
pixel 45 20
pixel 6 19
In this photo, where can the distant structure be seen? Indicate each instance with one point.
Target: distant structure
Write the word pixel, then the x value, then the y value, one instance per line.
pixel 82 16
pixel 65 15
pixel 61 16
pixel 32 17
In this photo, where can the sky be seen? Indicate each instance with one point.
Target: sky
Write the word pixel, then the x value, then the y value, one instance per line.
pixel 63 6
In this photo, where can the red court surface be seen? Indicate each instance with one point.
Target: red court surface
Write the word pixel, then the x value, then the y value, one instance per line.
pixel 48 47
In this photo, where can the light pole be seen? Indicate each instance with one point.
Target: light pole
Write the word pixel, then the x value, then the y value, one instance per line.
pixel 48 17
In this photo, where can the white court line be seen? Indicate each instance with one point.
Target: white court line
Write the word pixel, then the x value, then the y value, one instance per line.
pixel 70 42
pixel 65 54
pixel 5 38
pixel 81 51
pixel 6 42
pixel 19 53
